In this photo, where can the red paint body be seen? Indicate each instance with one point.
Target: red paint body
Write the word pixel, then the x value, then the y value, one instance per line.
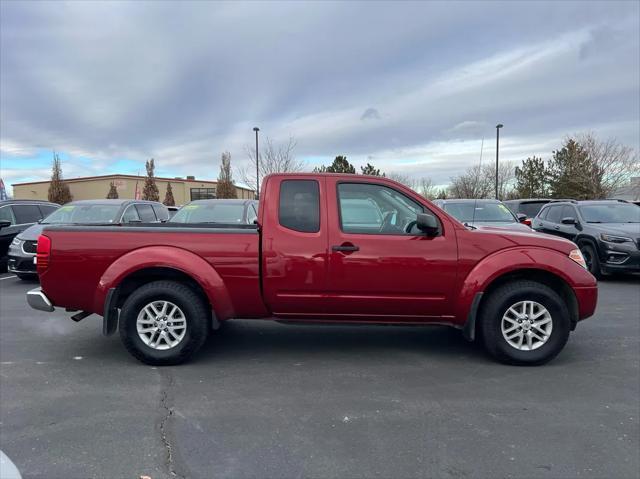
pixel 392 278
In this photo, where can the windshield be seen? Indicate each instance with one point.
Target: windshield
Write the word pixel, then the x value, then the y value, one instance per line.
pixel 95 213
pixel 610 213
pixel 484 212
pixel 213 212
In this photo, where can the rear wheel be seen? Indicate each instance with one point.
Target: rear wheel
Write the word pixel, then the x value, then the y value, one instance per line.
pixel 592 259
pixel 524 322
pixel 163 323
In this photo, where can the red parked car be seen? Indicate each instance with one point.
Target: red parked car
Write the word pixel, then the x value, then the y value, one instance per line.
pixel 327 248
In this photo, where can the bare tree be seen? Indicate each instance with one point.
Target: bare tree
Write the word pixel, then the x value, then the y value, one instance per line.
pixel 611 165
pixel 273 159
pixel 426 188
pixel 478 181
pixel 225 187
pixel 406 180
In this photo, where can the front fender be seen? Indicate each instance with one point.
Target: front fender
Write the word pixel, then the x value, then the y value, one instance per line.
pixel 519 258
pixel 167 257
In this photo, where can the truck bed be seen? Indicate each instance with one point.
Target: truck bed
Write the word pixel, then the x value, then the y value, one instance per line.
pixel 231 250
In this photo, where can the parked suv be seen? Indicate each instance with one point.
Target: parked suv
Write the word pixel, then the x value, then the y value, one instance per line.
pixel 23 247
pixel 607 232
pixel 15 217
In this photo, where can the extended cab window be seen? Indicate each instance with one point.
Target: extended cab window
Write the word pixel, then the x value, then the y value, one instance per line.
pixel 130 215
pixel 299 208
pixel 375 209
pixel 6 214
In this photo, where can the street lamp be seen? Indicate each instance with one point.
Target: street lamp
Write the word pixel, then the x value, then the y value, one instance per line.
pixel 256 129
pixel 498 126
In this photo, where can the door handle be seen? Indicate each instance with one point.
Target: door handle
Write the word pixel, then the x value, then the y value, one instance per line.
pixel 345 248
pixel 556 227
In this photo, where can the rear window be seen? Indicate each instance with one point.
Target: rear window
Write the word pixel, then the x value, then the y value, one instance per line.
pixel 95 213
pixel 531 209
pixel 299 208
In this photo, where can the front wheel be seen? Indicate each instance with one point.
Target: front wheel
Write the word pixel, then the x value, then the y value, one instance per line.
pixel 163 323
pixel 592 259
pixel 524 322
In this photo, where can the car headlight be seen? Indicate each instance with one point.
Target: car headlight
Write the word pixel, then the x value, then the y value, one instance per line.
pixel 17 242
pixel 614 238
pixel 576 255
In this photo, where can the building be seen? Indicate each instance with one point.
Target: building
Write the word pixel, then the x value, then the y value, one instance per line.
pixel 630 191
pixel 128 186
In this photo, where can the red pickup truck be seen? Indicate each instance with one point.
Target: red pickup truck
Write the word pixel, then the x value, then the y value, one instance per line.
pixel 326 248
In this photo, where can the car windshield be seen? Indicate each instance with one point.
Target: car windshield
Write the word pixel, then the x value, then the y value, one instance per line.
pixel 484 212
pixel 213 212
pixel 610 213
pixel 94 213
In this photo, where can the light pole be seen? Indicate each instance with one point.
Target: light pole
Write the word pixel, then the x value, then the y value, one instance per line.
pixel 498 126
pixel 256 129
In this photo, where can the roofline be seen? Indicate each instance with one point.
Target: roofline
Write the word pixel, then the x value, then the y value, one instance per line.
pixel 118 175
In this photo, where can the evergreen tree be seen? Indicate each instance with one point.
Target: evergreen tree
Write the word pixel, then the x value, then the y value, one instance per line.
pixel 225 187
pixel 150 191
pixel 340 165
pixel 58 189
pixel 531 178
pixel 113 192
pixel 569 172
pixel 369 169
pixel 168 197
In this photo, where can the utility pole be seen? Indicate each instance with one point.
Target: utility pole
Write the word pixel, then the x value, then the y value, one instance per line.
pixel 498 126
pixel 256 129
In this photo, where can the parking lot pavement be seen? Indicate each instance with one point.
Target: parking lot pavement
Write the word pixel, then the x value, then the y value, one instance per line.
pixel 269 400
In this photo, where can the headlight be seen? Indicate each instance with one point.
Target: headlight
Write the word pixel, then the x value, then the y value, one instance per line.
pixel 576 255
pixel 17 242
pixel 615 239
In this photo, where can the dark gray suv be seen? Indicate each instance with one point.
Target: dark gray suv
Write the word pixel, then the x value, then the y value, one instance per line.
pixel 607 232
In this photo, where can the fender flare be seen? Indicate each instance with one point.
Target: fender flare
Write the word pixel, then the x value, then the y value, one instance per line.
pixel 503 262
pixel 167 257
pixel 580 240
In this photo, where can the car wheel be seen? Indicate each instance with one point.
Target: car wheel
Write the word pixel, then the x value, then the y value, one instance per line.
pixel 592 259
pixel 27 277
pixel 163 323
pixel 524 322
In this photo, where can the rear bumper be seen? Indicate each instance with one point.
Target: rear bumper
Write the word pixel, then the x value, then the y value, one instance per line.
pixel 38 300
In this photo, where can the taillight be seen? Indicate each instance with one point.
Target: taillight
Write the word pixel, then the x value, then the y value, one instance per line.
pixel 527 222
pixel 43 251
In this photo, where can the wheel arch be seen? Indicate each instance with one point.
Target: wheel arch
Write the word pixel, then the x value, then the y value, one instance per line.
pixel 164 262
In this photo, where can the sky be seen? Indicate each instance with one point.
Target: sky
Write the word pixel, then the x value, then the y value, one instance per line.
pixel 412 87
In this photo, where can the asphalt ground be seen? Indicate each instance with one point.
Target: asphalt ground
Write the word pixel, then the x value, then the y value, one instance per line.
pixel 265 400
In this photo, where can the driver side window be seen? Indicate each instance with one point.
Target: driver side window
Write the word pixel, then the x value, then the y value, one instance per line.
pixel 375 209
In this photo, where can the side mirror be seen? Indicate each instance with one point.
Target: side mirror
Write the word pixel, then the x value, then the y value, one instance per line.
pixel 569 221
pixel 521 217
pixel 4 223
pixel 428 224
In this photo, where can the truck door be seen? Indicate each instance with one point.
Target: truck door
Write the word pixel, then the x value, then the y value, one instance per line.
pixel 378 266
pixel 294 245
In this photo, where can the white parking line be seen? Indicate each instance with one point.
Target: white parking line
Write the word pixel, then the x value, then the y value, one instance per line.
pixel 8 277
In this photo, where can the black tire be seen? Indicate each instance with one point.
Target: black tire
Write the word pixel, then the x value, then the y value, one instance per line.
pixel 195 312
pixel 592 259
pixel 497 304
pixel 27 277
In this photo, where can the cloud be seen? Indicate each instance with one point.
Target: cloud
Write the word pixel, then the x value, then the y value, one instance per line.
pixel 182 82
pixel 370 114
